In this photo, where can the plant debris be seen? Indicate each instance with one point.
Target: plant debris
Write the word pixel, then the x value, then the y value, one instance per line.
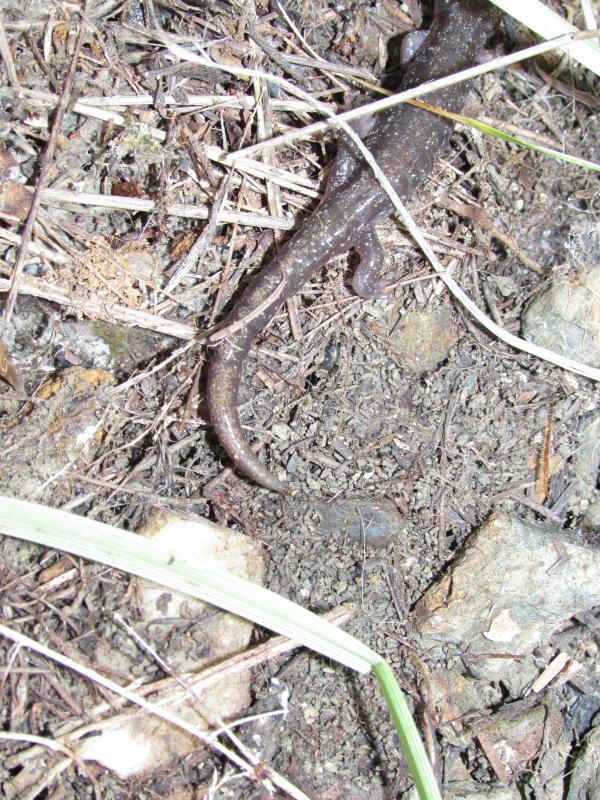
pixel 127 228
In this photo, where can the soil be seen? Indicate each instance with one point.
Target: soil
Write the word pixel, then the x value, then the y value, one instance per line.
pixel 326 393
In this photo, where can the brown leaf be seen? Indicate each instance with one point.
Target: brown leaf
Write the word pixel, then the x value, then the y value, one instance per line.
pixel 15 199
pixel 7 159
pixel 8 371
pixel 126 189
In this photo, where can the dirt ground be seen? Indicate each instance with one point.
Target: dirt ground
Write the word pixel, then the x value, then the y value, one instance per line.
pixel 329 393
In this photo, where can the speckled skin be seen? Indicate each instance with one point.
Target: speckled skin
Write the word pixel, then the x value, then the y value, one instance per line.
pixel 406 142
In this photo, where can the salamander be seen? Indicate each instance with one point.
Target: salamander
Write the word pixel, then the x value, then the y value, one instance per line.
pixel 406 142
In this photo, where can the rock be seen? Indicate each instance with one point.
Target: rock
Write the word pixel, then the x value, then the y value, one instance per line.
pixel 515 735
pixel 15 199
pixel 455 695
pixel 76 345
pixel 506 285
pixel 373 522
pixel 591 520
pixel 547 779
pixel 123 348
pixel 565 317
pixel 584 469
pixel 583 709
pixel 584 783
pixel 190 636
pixel 511 586
pixel 62 429
pixel 422 339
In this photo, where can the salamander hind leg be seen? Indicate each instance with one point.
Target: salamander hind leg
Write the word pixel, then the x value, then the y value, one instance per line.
pixel 367 280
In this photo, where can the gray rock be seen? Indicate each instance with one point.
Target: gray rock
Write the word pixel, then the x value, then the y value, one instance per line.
pixel 585 778
pixel 511 586
pixel 565 317
pixel 584 469
pixel 423 339
pixel 516 734
pixel 591 521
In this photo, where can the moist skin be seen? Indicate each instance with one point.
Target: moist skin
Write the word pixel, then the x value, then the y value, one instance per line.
pixel 406 142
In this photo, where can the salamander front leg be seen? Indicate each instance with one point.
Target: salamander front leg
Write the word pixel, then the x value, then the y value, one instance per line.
pixel 367 280
pixel 348 159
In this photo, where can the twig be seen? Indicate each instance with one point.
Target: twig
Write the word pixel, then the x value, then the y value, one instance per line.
pixel 34 249
pixel 43 172
pixel 152 708
pixel 192 102
pixel 57 747
pixel 277 59
pixel 6 55
pixel 187 210
pixel 256 312
pixel 539 508
pixel 198 250
pixel 96 309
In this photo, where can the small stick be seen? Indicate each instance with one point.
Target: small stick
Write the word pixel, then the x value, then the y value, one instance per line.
pixel 241 323
pixel 198 250
pixel 43 172
pixel 187 210
pixel 96 309
pixel 6 55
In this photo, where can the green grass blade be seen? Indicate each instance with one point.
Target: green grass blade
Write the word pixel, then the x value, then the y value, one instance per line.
pixel 489 130
pixel 143 557
pixel 410 741
pixel 508 137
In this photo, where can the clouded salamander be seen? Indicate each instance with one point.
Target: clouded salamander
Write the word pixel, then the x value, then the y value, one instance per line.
pixel 406 142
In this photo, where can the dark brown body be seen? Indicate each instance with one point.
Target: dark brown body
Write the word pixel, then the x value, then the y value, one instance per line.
pixel 406 142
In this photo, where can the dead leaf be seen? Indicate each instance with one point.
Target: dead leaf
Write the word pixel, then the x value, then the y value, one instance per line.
pixel 126 189
pixel 7 159
pixel 15 200
pixel 8 371
pixel 502 628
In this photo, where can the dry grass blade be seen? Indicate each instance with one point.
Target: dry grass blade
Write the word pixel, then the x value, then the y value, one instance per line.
pixel 6 55
pixel 188 211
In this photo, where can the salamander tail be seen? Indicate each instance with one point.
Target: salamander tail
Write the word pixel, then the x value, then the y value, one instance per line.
pixel 222 390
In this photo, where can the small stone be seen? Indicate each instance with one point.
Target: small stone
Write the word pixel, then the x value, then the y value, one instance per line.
pixel 281 430
pixel 584 779
pixel 507 286
pixel 591 521
pixel 423 339
pixel 565 317
pixel 15 200
pixel 374 522
pixel 310 713
pixel 64 427
pixel 136 744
